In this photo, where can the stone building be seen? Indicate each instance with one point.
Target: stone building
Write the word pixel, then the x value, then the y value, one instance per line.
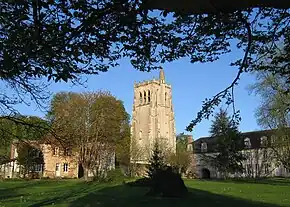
pixel 258 151
pixel 57 162
pixel 152 118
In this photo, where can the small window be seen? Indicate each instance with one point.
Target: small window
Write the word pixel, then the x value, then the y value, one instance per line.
pixel 247 143
pixel 140 134
pixel 165 98
pixel 203 147
pixel 273 139
pixel 149 96
pixel 55 151
pixel 67 152
pixel 263 141
pixel 140 98
pixel 65 167
pixel 38 167
pixel 145 97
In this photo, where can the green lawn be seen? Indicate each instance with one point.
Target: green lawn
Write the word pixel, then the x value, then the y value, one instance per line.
pixel 269 193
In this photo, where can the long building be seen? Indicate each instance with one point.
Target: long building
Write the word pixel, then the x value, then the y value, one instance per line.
pixel 257 147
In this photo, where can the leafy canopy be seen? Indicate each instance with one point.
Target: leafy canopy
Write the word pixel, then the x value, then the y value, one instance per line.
pixel 60 40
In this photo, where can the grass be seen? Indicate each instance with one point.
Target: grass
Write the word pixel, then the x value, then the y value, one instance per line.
pixel 271 193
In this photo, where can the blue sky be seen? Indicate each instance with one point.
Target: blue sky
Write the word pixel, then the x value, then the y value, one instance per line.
pixel 191 84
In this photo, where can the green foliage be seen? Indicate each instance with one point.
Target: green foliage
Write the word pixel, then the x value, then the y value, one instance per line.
pixel 90 37
pixel 229 144
pixel 273 111
pixel 92 124
pixel 20 128
pixel 156 161
pixel 28 157
pixel 115 175
pixel 181 159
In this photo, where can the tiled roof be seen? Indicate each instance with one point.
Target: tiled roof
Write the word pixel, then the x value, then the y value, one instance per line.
pixel 254 136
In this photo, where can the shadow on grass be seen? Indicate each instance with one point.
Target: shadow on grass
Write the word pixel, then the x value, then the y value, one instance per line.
pixel 12 189
pixel 268 181
pixel 124 195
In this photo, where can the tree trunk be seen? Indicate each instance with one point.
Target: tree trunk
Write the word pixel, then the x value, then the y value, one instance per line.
pixel 86 173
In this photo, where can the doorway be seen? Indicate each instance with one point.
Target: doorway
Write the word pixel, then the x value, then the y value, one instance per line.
pixel 205 173
pixel 80 171
pixel 57 170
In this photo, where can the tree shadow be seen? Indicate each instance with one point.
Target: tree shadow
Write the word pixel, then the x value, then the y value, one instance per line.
pixel 12 189
pixel 124 195
pixel 16 189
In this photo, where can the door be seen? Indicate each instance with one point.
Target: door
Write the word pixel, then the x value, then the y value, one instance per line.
pixel 57 170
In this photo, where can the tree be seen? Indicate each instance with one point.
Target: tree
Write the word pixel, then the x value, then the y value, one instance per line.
pixel 90 124
pixel 157 161
pixel 59 41
pixel 274 112
pixel 29 157
pixel 212 7
pixel 181 159
pixel 28 128
pixel 229 157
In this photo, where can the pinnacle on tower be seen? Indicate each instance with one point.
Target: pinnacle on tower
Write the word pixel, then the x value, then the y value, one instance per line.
pixel 161 76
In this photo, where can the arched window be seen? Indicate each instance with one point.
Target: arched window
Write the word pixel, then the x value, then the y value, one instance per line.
pixel 145 97
pixel 263 141
pixel 140 98
pixel 203 147
pixel 247 143
pixel 149 97
pixel 165 98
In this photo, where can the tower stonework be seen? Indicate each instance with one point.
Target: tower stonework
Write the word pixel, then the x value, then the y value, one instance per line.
pixel 152 119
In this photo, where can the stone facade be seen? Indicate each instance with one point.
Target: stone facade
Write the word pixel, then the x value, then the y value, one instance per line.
pixel 58 163
pixel 260 159
pixel 152 118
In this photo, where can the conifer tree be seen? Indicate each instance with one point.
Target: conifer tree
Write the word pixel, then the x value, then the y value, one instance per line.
pixel 156 161
pixel 229 144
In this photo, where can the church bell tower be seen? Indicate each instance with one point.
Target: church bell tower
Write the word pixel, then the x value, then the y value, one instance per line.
pixel 152 118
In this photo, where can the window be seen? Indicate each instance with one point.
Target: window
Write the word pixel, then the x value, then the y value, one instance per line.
pixel 149 97
pixel 140 134
pixel 203 147
pixel 144 97
pixel 247 143
pixel 263 141
pixel 140 98
pixel 67 152
pixel 165 98
pixel 55 151
pixel 57 167
pixel 35 153
pixel 65 167
pixel 38 167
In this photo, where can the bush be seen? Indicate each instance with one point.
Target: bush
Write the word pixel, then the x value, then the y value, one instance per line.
pixel 167 183
pixel 115 175
pixel 112 176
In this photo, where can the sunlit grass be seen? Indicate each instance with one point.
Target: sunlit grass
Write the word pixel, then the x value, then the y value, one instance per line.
pixel 274 192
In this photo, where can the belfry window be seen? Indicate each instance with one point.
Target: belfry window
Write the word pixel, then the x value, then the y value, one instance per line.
pixel 149 97
pixel 165 98
pixel 145 97
pixel 140 98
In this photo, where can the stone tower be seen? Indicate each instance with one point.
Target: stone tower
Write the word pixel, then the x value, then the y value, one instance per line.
pixel 152 119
